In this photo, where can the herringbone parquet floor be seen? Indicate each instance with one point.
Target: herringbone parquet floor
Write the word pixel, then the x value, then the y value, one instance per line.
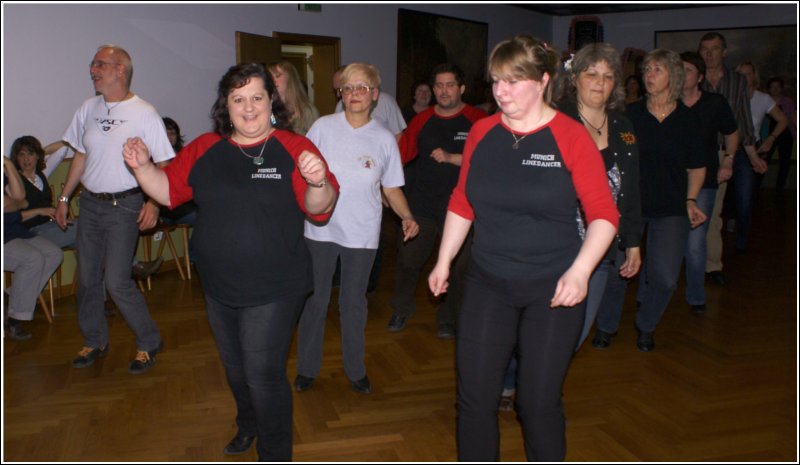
pixel 719 387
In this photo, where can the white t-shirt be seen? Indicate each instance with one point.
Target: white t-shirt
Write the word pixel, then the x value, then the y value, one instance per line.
pixel 363 160
pixel 760 105
pixel 100 133
pixel 387 112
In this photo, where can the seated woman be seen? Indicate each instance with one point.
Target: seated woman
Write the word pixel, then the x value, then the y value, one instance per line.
pixel 32 258
pixel 28 157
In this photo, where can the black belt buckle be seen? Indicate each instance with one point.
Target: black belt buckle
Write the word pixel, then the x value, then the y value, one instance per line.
pixel 113 197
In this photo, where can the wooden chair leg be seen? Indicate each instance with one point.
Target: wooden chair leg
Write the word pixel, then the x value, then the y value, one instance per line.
pixel 147 256
pixel 46 310
pixel 52 301
pixel 186 261
pixel 171 244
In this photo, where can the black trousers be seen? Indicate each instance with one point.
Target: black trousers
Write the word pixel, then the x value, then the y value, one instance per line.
pixel 498 315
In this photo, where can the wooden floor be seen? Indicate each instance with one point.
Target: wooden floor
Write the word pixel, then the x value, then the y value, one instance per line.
pixel 718 387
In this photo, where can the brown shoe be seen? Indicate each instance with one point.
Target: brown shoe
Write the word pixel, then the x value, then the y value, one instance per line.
pixel 87 355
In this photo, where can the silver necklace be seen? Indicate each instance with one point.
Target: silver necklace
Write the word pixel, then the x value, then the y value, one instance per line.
pixel 600 129
pixel 515 145
pixel 259 160
pixel 109 108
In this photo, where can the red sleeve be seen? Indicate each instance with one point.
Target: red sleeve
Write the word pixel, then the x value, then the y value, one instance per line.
pixel 178 169
pixel 474 114
pixel 408 140
pixel 588 171
pixel 458 199
pixel 296 145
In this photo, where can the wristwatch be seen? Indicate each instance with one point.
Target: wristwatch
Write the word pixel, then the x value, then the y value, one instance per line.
pixel 322 183
pixel 64 199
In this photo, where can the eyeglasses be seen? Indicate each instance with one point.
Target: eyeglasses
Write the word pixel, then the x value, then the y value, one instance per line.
pixel 355 90
pixel 100 64
pixel 442 85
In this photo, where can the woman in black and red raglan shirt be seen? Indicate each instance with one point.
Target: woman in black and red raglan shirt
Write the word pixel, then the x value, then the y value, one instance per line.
pixel 254 184
pixel 524 172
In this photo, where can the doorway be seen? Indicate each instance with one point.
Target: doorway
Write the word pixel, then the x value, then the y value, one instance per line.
pixel 319 65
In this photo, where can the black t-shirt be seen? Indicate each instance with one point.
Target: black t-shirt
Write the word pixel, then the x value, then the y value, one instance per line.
pixel 430 183
pixel 248 238
pixel 666 150
pixel 524 202
pixel 716 118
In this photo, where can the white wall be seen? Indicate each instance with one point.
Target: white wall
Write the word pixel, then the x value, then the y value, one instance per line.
pixel 637 30
pixel 180 51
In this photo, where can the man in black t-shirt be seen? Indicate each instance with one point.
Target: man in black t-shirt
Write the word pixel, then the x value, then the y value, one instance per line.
pixel 431 147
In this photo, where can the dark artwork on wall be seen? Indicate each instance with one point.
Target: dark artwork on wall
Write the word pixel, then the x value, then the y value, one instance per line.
pixel 584 30
pixel 425 40
pixel 772 49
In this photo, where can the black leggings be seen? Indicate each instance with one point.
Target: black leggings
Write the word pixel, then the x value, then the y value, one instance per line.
pixel 496 316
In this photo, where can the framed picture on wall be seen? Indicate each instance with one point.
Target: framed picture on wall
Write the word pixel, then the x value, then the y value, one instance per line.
pixel 425 40
pixel 772 49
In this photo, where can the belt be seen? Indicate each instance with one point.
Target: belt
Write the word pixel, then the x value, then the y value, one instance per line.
pixel 115 195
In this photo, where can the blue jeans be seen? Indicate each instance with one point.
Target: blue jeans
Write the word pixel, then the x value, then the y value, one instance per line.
pixel 744 182
pixel 253 344
pixel 106 240
pixel 696 251
pixel 666 247
pixel 54 234
pixel 597 287
pixel 356 266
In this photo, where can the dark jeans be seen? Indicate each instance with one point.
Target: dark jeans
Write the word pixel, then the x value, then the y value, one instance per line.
pixel 106 238
pixel 411 257
pixel 744 182
pixel 253 344
pixel 356 264
pixel 666 247
pixel 497 316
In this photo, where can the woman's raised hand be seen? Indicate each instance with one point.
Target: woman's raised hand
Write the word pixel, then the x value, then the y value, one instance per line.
pixel 135 153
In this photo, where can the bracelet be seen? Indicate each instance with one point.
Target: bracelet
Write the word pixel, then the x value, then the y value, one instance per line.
pixel 691 200
pixel 322 183
pixel 728 155
pixel 64 199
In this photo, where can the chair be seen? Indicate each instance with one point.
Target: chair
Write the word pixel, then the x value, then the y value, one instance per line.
pixel 186 259
pixel 42 302
pixel 72 208
pixel 165 230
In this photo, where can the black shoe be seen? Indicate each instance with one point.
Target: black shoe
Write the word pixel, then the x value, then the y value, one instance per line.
pixel 602 339
pixel 644 340
pixel 239 444
pixel 699 309
pixel 303 383
pixel 141 270
pixel 717 277
pixel 17 333
pixel 396 323
pixel 145 359
pixel 446 331
pixel 87 356
pixel 362 385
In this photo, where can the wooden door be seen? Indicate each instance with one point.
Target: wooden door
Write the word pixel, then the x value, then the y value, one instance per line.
pixel 257 48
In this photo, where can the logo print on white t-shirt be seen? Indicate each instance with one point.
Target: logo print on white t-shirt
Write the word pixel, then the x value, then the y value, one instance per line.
pixel 107 125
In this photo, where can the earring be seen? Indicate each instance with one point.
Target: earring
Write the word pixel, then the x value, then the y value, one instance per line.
pixel 272 119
